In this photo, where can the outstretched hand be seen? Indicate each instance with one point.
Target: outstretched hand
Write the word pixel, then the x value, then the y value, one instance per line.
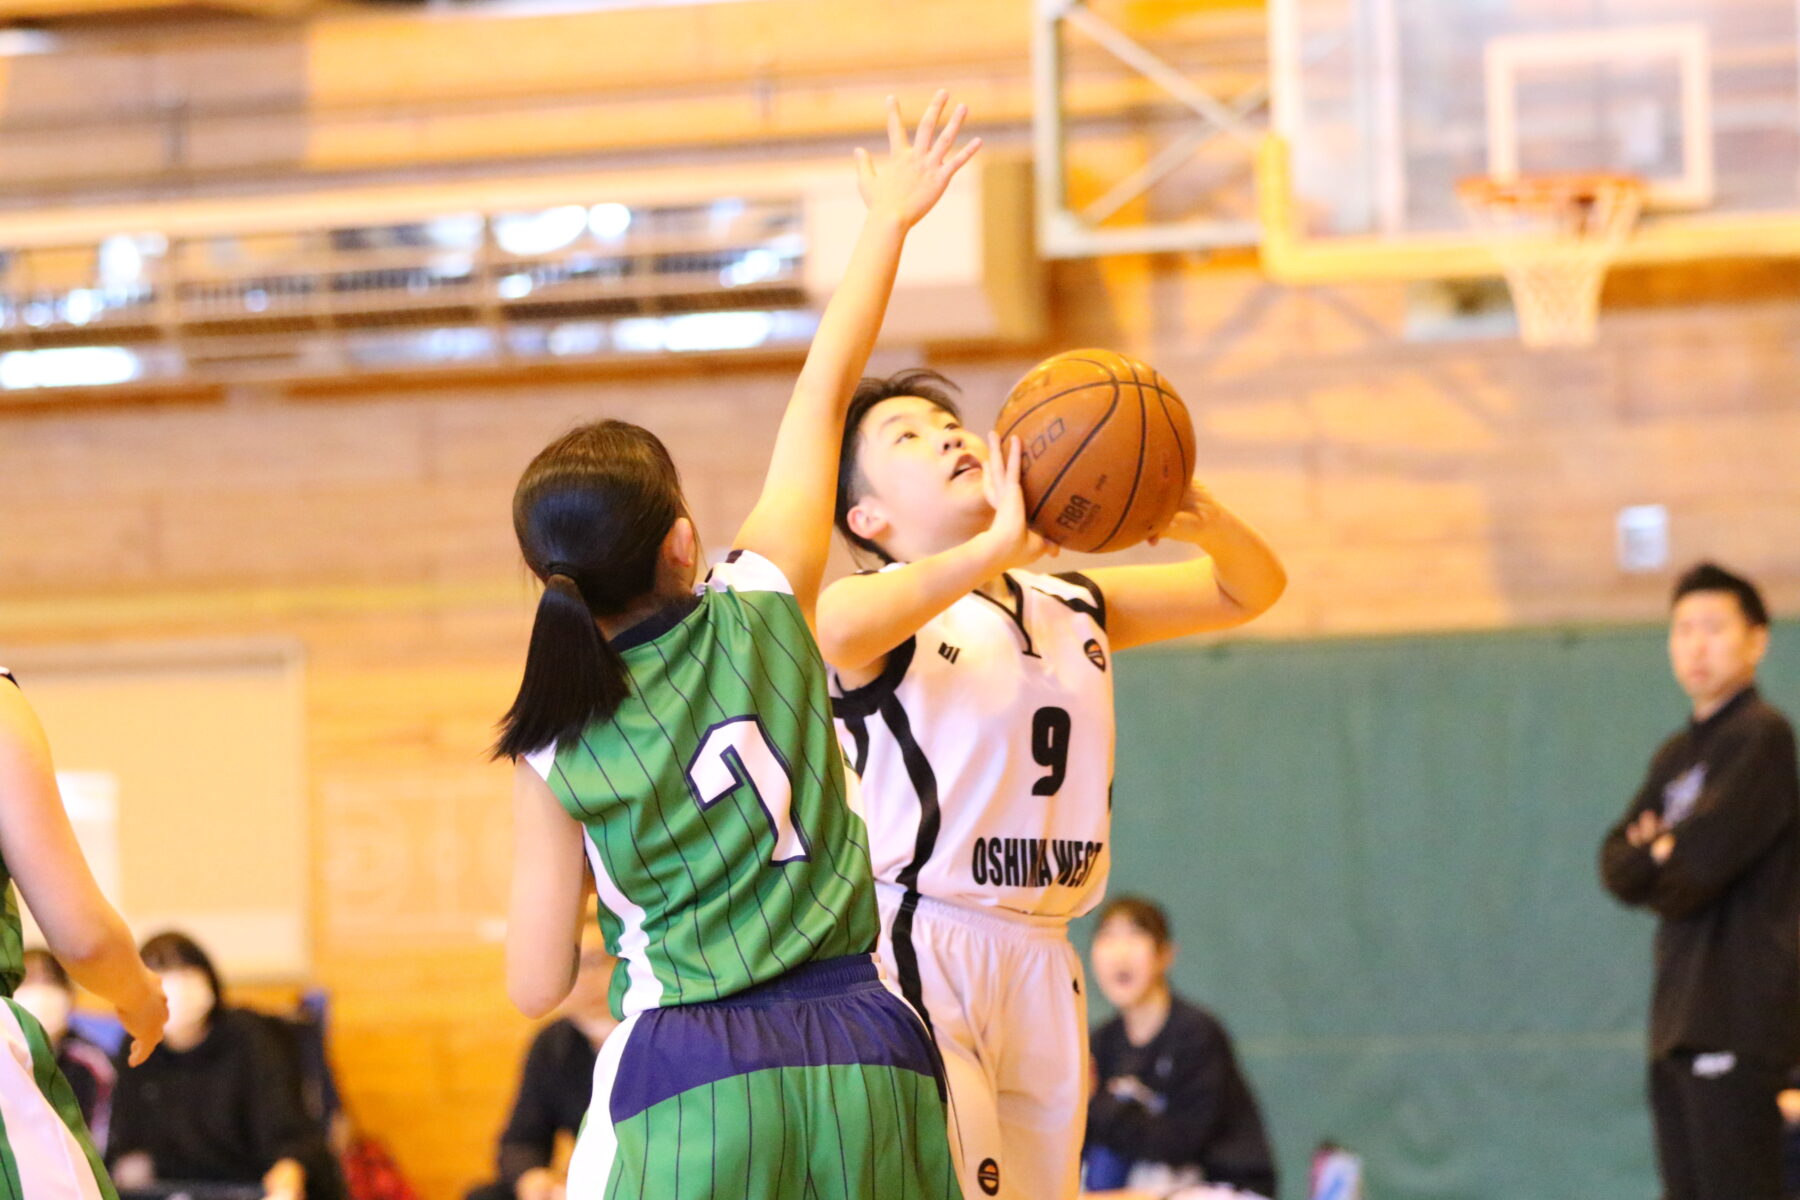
pixel 915 173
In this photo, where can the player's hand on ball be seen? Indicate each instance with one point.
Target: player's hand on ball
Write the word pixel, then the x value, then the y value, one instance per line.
pixel 915 173
pixel 1199 511
pixel 1010 539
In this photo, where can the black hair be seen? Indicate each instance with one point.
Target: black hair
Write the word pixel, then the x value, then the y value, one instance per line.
pixel 171 949
pixel 39 961
pixel 591 513
pixel 1711 577
pixel 1147 915
pixel 923 382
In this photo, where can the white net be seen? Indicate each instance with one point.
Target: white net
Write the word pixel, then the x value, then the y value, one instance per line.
pixel 1554 237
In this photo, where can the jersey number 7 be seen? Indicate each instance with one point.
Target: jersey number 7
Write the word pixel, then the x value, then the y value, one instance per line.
pixel 738 753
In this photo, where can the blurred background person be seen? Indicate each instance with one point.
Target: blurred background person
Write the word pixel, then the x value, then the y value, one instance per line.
pixel 1711 844
pixel 1171 1112
pixel 556 1084
pixel 220 1101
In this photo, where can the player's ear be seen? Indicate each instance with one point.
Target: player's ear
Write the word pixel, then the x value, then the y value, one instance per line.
pixel 1759 644
pixel 867 520
pixel 681 545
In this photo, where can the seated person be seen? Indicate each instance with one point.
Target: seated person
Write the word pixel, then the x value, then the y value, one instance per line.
pixel 1171 1113
pixel 219 1102
pixel 556 1085
pixel 1789 1100
pixel 48 994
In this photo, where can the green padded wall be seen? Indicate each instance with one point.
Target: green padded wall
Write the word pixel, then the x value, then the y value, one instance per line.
pixel 1378 856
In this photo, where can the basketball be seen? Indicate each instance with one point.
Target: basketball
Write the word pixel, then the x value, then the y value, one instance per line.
pixel 1108 449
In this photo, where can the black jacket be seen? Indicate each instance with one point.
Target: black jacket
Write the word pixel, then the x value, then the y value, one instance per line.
pixel 1728 942
pixel 1201 1111
pixel 553 1097
pixel 225 1111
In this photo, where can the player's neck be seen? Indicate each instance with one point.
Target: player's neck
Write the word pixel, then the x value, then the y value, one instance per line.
pixel 612 625
pixel 1146 1018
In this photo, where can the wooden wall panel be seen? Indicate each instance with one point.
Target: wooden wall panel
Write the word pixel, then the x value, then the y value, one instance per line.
pixel 1451 485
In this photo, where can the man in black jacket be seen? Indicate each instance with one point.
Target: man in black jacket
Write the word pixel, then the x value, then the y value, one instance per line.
pixel 1711 844
pixel 1171 1112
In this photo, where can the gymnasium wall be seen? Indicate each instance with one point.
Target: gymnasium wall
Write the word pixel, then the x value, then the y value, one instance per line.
pixel 1410 487
pixel 1379 859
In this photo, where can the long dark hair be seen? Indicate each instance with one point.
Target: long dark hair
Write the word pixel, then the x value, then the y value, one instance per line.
pixel 591 513
pixel 922 382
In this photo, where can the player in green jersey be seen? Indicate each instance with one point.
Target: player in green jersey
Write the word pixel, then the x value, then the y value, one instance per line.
pixel 674 744
pixel 45 1152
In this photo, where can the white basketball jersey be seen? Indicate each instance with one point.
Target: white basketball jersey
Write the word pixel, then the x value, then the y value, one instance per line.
pixel 986 751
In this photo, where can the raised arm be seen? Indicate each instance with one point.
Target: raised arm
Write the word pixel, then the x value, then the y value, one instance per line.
pixel 863 617
pixel 1237 580
pixel 85 932
pixel 791 523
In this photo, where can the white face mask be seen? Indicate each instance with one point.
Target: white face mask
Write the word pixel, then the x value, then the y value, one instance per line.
pixel 49 1004
pixel 190 999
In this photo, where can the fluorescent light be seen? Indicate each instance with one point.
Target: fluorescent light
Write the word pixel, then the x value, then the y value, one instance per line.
pixel 67 366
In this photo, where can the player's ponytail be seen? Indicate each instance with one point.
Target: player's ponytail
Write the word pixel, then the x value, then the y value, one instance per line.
pixel 591 513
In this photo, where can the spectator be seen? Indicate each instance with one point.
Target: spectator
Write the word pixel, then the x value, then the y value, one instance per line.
pixel 48 994
pixel 555 1087
pixel 1789 1101
pixel 1711 845
pixel 220 1101
pixel 1171 1112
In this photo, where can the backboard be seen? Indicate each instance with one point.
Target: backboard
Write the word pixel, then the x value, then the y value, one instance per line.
pixel 1382 106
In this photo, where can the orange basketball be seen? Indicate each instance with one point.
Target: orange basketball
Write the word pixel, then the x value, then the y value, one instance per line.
pixel 1108 445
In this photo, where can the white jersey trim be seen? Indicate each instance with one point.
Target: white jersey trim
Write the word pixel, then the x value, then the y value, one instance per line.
pixel 643 989
pixel 746 571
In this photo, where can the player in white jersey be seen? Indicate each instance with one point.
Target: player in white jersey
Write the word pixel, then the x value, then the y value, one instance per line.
pixel 974 697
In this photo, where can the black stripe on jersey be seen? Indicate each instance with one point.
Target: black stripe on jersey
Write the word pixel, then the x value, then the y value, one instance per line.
pixel 931 819
pixel 859 734
pixel 1096 609
pixel 1016 613
pixel 924 784
pixel 906 960
pixel 865 700
pixel 8 675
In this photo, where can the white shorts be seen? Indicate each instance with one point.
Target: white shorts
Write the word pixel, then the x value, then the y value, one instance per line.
pixel 1005 999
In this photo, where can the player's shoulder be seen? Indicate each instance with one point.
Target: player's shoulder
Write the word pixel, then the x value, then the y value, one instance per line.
pixel 747 571
pixel 1072 589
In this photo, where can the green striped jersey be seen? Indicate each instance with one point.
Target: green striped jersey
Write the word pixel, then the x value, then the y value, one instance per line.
pixel 12 931
pixel 720 822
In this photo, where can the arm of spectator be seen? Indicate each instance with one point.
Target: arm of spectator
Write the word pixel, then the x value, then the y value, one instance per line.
pixel 126 1135
pixel 1738 816
pixel 1119 1119
pixel 529 1141
pixel 1626 866
pixel 284 1135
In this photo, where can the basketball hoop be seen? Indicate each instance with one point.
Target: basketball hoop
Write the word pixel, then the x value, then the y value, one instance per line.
pixel 1554 236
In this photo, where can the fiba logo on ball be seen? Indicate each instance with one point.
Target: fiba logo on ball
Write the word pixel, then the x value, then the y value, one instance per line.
pixel 988 1176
